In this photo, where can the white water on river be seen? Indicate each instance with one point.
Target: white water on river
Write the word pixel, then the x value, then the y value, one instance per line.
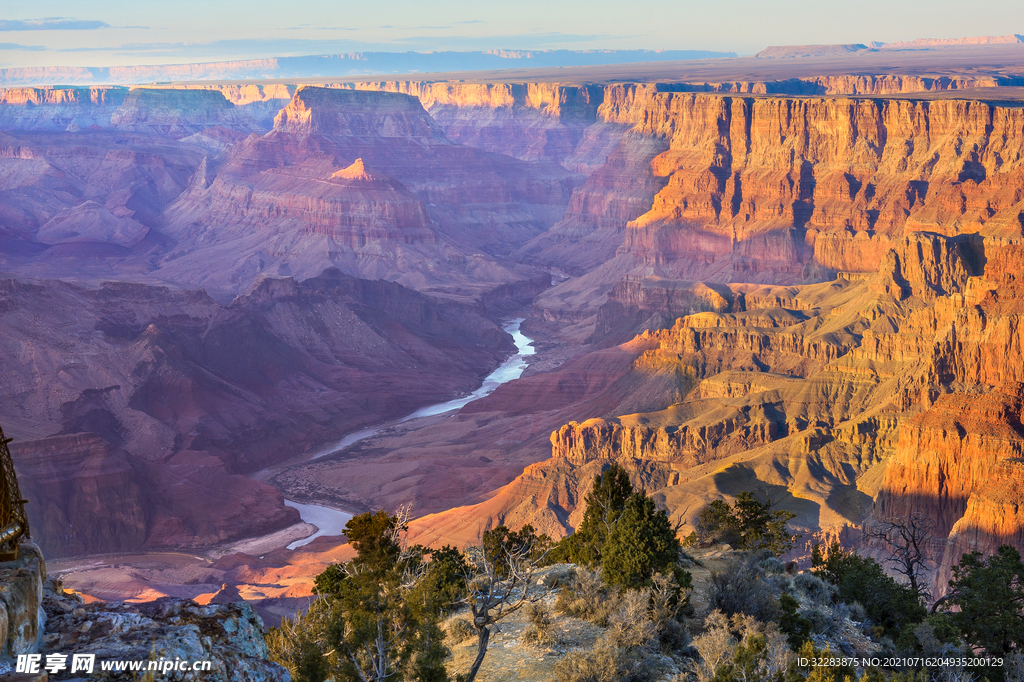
pixel 332 521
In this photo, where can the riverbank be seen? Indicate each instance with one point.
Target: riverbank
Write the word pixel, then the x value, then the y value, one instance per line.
pixel 143 576
pixel 511 369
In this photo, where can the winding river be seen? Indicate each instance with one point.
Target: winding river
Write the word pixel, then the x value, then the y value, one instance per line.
pixel 332 521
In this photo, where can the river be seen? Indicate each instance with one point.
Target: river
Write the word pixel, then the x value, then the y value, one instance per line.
pixel 330 521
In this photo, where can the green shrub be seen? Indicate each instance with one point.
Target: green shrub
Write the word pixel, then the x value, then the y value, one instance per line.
pixel 742 586
pixel 819 618
pixel 857 612
pixel 889 605
pixel 605 504
pixel 444 585
pixel 642 542
pixel 796 628
pixel 773 564
pixel 988 593
pixel 748 524
pixel 814 588
pixel 297 645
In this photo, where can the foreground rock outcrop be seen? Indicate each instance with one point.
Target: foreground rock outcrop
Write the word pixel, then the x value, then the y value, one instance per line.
pixel 22 617
pixel 228 637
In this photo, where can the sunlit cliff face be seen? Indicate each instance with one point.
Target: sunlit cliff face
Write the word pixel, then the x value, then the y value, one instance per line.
pixel 813 297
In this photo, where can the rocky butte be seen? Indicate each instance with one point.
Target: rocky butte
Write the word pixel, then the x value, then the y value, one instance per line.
pixel 801 283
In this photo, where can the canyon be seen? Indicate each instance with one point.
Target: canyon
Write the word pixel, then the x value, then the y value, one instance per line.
pixel 799 283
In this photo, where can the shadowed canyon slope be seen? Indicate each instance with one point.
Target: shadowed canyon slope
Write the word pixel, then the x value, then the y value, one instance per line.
pixel 169 396
pixel 811 294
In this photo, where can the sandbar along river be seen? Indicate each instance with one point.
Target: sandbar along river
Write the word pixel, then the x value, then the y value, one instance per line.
pixel 332 521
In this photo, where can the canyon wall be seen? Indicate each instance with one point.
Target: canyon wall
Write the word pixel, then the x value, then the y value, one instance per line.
pixel 789 189
pixel 136 409
pixel 850 403
pixel 366 182
pixel 58 109
pixel 824 292
pixel 741 169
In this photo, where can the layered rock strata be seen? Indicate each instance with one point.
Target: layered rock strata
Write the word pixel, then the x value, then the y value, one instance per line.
pixel 426 212
pixel 136 408
pixel 789 190
pixel 850 402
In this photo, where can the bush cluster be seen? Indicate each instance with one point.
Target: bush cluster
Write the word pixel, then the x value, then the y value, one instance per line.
pixel 624 534
pixel 629 581
pixel 893 607
pixel 748 524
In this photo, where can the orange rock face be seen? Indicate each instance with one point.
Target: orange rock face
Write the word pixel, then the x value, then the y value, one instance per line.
pixel 741 168
pixel 790 190
pixel 867 398
pixel 958 463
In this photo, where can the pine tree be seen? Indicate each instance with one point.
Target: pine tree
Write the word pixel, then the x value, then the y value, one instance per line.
pixel 642 542
pixel 381 609
pixel 605 502
pixel 989 592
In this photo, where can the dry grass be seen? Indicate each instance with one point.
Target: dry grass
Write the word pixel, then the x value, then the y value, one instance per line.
pixel 540 632
pixel 605 662
pixel 587 597
pixel 459 630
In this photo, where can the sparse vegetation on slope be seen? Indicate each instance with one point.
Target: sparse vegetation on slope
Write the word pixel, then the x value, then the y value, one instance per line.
pixel 492 613
pixel 747 524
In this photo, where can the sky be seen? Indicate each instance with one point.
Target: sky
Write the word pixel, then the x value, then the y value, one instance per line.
pixel 122 32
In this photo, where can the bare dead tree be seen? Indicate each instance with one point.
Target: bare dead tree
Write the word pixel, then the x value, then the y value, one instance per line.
pixel 905 539
pixel 502 573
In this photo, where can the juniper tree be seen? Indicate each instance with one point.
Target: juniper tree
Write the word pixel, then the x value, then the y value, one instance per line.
pixel 642 542
pixel 376 616
pixel 747 524
pixel 988 594
pixel 892 606
pixel 604 504
pixel 502 568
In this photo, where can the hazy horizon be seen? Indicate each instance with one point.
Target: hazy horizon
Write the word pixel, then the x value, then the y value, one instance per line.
pixel 116 32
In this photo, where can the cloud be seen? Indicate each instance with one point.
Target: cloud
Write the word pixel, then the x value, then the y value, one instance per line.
pixel 310 27
pixel 51 24
pixel 189 52
pixel 23 48
pixel 535 41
